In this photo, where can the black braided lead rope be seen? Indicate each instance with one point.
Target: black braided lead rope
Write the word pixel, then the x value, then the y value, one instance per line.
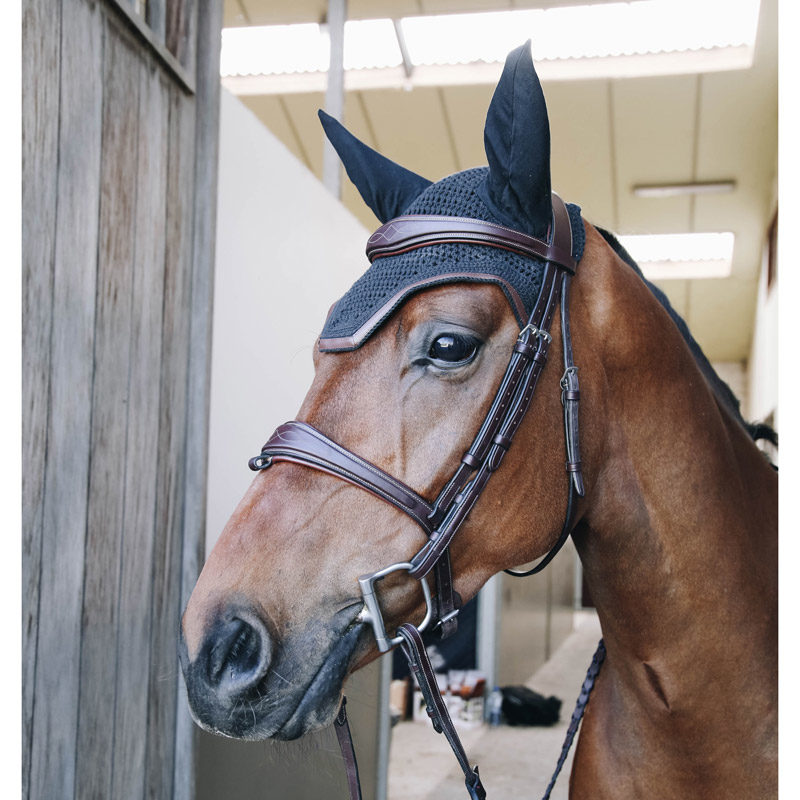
pixel 577 714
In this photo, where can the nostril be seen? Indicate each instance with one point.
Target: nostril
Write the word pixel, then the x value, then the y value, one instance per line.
pixel 239 655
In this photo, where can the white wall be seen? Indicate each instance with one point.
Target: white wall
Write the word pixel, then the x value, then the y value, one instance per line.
pixel 286 250
pixel 763 366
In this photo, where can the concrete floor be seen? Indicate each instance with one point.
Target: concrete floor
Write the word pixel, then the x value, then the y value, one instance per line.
pixel 514 762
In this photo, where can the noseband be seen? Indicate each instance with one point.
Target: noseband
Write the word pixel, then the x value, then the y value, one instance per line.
pixel 440 520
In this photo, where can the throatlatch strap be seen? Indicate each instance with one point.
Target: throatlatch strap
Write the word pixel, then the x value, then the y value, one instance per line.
pixel 570 396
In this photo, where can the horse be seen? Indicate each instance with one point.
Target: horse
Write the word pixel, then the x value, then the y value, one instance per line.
pixel 671 506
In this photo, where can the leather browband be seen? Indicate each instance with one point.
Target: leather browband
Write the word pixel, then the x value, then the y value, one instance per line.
pixel 401 234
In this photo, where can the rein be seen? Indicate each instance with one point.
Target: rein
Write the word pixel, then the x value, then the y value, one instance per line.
pixel 440 520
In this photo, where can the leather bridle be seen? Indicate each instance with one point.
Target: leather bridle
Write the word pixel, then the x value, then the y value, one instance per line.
pixel 440 520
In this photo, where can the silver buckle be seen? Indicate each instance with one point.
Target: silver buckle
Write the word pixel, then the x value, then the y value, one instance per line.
pixel 372 611
pixel 534 331
pixel 573 370
pixel 568 373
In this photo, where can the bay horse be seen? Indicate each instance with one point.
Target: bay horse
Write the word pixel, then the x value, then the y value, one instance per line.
pixel 675 520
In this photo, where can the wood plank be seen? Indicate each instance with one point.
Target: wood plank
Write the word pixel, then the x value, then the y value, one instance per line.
pixel 100 619
pixel 166 589
pixel 66 467
pixel 199 387
pixel 144 33
pixel 138 525
pixel 157 18
pixel 181 28
pixel 41 30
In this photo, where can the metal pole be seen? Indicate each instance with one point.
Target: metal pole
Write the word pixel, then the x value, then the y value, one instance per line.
pixel 488 626
pixel 334 95
pixel 577 589
pixel 384 728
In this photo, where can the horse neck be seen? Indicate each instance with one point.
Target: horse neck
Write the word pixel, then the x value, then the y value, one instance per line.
pixel 678 540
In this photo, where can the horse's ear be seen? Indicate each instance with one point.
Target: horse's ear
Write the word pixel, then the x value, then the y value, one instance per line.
pixel 387 188
pixel 517 141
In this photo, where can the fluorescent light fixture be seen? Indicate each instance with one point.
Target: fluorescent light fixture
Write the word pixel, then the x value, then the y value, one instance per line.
pixel 681 189
pixel 290 49
pixel 681 256
pixel 583 31
pixel 644 37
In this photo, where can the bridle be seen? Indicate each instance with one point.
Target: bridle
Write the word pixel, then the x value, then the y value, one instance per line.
pixel 440 520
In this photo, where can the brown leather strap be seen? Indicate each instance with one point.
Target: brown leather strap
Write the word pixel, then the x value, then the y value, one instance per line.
pixel 401 234
pixel 501 424
pixel 520 362
pixel 570 396
pixel 301 443
pixel 421 669
pixel 448 600
pixel 345 739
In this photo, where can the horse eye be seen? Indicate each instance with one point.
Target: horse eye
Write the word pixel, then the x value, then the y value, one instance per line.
pixel 452 348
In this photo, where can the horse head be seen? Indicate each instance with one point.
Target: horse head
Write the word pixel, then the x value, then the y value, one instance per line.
pixel 406 368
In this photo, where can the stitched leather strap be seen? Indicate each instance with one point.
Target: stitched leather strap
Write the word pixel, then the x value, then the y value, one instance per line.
pixel 420 666
pixel 569 399
pixel 517 372
pixel 448 600
pixel 345 739
pixel 570 395
pixel 497 433
pixel 301 443
pixel 421 669
pixel 401 234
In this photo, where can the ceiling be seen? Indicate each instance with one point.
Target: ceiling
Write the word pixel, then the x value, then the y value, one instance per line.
pixel 607 136
pixel 284 12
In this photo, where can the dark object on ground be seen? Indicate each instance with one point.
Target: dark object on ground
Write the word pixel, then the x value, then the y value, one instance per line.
pixel 523 706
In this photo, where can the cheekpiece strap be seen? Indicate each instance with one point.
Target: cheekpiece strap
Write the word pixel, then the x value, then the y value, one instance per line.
pixel 401 234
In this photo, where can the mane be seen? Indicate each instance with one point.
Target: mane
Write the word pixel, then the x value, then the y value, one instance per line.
pixel 721 389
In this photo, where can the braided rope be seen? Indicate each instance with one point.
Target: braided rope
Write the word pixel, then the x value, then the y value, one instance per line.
pixel 577 714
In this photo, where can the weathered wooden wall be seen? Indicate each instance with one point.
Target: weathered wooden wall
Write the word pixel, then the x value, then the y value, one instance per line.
pixel 119 173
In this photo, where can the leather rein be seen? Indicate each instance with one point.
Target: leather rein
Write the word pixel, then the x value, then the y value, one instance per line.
pixel 301 443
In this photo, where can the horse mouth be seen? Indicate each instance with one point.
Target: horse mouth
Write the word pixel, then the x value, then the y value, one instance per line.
pixel 297 693
pixel 319 703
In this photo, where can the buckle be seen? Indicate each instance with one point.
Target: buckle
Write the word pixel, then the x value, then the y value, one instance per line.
pixel 569 382
pixel 372 611
pixel 534 331
pixel 573 370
